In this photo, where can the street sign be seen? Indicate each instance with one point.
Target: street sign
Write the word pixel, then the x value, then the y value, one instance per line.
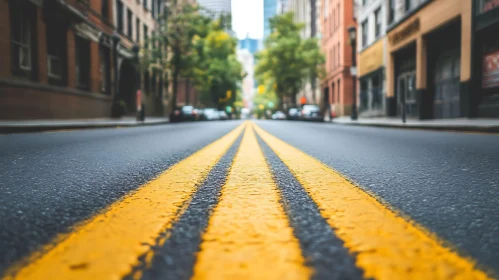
pixel 353 71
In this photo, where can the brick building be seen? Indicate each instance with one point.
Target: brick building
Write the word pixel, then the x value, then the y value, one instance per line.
pixel 56 59
pixel 335 17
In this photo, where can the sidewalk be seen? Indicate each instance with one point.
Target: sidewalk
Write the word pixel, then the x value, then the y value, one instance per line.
pixel 462 124
pixel 45 125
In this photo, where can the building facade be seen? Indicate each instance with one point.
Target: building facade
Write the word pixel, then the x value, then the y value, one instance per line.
pixel 135 24
pixel 305 11
pixel 57 59
pixel 372 57
pixel 335 17
pixel 269 11
pixel 252 45
pixel 216 6
pixel 429 58
pixel 77 58
pixel 245 57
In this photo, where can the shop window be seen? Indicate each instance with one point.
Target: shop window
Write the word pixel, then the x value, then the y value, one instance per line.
pixel 119 14
pixel 105 9
pixel 364 96
pixel 364 33
pixel 22 40
pixel 377 93
pixel 105 73
pixel 129 23
pixel 56 52
pixel 377 22
pixel 82 52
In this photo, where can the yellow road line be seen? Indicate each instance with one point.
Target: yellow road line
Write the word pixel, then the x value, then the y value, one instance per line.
pixel 386 245
pixel 248 236
pixel 109 244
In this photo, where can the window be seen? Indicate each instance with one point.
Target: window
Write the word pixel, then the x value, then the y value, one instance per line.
pixel 334 58
pixel 82 53
pixel 129 22
pixel 337 15
pixel 331 24
pixel 146 35
pixel 105 9
pixel 153 8
pixel 56 52
pixel 391 11
pixel 364 33
pixel 364 2
pixel 105 73
pixel 338 53
pixel 22 40
pixel 377 20
pixel 407 5
pixel 145 3
pixel 137 29
pixel 326 8
pixel 119 11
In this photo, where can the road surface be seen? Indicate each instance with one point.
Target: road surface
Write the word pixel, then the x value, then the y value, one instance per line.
pixel 255 200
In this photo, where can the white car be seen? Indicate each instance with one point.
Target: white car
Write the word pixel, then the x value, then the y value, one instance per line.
pixel 278 116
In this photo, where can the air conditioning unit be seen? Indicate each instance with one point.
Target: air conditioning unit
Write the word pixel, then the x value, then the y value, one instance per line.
pixel 54 67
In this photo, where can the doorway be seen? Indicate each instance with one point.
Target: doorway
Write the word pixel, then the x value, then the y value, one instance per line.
pixel 446 102
pixel 406 87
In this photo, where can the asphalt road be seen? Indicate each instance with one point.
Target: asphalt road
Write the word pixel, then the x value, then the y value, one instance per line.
pixel 447 182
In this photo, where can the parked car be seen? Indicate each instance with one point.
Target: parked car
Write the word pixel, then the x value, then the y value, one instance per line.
pixel 210 114
pixel 278 116
pixel 311 113
pixel 294 114
pixel 182 114
pixel 223 115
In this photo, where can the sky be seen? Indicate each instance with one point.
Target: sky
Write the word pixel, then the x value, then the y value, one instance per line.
pixel 247 17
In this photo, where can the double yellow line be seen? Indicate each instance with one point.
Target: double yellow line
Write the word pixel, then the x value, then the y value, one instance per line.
pixel 248 235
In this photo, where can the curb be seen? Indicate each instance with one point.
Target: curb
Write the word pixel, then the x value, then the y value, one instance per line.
pixel 459 128
pixel 5 129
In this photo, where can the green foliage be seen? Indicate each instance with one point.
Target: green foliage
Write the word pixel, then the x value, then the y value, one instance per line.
pixel 191 45
pixel 288 61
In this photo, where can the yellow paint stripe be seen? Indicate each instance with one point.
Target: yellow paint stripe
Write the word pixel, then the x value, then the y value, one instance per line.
pixel 109 244
pixel 248 236
pixel 386 245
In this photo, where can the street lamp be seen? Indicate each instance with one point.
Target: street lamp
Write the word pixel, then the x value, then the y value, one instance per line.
pixel 352 33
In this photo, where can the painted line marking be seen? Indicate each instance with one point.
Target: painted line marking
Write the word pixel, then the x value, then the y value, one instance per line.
pixel 386 245
pixel 108 245
pixel 248 235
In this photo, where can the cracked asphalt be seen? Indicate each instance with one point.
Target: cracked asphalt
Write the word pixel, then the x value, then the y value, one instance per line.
pixel 446 181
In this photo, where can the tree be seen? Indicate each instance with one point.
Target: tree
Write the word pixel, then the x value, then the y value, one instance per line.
pixel 287 61
pixel 217 73
pixel 197 48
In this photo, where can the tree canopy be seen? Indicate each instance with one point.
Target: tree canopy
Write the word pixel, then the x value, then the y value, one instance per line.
pixel 192 45
pixel 288 60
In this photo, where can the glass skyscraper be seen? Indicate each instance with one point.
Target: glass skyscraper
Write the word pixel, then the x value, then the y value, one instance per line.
pixel 269 11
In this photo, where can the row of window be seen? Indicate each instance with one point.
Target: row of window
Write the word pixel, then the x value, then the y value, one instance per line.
pixel 24 55
pixel 377 27
pixel 334 57
pixel 334 21
pixel 120 14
